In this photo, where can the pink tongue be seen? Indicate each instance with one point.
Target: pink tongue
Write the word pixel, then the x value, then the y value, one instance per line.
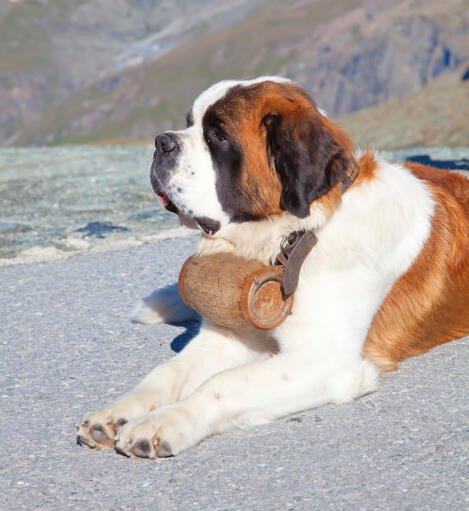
pixel 164 199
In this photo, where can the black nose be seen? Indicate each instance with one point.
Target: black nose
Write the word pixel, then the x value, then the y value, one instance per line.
pixel 165 143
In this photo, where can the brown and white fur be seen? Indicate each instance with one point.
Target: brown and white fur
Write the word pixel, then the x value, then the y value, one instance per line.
pixel 388 279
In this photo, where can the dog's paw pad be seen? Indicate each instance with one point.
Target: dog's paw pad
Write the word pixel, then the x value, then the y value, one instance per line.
pixel 119 423
pixel 142 449
pixel 163 450
pixel 99 434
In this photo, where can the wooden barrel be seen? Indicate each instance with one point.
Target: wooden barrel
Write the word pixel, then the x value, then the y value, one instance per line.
pixel 233 292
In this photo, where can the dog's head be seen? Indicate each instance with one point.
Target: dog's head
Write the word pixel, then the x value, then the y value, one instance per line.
pixel 251 150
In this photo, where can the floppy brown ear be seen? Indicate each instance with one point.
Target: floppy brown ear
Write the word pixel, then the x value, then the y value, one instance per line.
pixel 309 157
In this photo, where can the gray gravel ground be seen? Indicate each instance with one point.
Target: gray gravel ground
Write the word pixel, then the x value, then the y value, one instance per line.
pixel 67 347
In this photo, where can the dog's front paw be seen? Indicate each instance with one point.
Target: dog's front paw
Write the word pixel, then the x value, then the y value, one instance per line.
pixel 163 433
pixel 98 429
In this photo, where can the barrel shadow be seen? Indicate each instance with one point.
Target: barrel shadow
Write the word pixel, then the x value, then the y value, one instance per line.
pixel 182 340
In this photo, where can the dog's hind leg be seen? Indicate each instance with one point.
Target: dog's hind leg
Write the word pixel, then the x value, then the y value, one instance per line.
pixel 164 305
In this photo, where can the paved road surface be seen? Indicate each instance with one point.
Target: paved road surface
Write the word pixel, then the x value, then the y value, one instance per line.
pixel 67 347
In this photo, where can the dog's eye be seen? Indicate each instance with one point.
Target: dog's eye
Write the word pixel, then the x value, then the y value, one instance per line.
pixel 216 136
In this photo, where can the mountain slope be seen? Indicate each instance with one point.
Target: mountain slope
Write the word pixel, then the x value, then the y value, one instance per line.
pixel 154 96
pixel 349 54
pixel 51 48
pixel 435 116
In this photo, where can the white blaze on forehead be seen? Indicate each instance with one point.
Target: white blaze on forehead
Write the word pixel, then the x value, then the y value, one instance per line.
pixel 219 90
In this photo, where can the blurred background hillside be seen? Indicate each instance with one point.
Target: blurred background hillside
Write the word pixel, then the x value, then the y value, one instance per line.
pixel 395 73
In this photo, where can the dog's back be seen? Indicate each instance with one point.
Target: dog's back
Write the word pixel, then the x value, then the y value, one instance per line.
pixel 429 305
pixel 453 182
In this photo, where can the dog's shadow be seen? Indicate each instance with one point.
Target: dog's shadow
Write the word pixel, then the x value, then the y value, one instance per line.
pixel 165 306
pixel 192 328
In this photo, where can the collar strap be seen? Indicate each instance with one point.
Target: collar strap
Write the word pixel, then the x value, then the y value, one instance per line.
pixel 293 251
pixel 350 175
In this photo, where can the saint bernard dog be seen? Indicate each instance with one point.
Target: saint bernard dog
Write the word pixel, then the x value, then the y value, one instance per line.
pixel 387 279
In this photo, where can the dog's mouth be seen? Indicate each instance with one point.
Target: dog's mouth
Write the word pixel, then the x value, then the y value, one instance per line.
pixel 207 225
pixel 162 196
pixel 166 202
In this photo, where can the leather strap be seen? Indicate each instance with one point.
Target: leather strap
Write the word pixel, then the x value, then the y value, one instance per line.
pixel 297 245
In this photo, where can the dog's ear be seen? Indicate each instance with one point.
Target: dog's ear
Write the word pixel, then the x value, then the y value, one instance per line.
pixel 308 158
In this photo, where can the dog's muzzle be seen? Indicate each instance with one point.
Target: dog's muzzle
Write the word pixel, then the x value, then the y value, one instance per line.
pixel 165 144
pixel 167 151
pixel 164 160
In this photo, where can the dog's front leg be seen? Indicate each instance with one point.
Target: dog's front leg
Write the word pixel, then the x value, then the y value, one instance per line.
pixel 252 394
pixel 211 351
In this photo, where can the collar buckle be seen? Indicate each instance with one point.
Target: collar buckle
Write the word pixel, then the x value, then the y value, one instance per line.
pixel 351 175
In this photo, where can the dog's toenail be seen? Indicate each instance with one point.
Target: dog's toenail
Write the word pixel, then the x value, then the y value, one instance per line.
pixel 81 441
pixel 121 451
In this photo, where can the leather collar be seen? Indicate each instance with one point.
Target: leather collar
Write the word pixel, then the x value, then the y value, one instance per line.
pixel 293 251
pixel 350 175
